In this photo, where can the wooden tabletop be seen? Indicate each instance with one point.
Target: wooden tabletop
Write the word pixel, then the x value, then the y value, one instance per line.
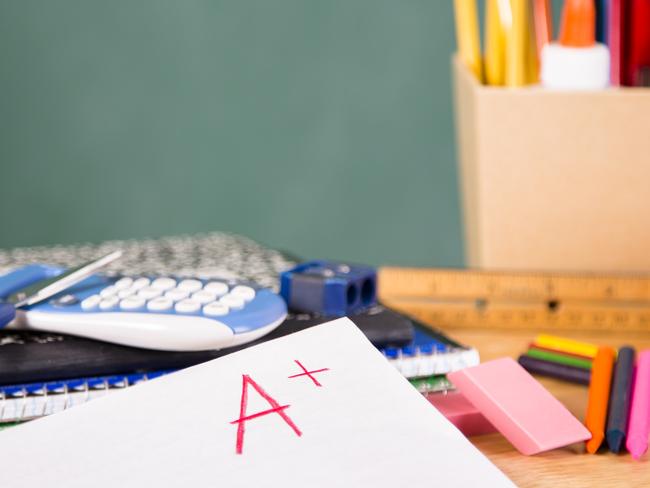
pixel 571 466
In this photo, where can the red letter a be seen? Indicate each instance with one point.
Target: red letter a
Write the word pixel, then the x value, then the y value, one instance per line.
pixel 275 408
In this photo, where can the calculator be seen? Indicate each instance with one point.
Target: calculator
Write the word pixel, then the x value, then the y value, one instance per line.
pixel 167 313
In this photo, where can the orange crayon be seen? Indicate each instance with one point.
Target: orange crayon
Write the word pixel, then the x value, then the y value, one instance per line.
pixel 601 377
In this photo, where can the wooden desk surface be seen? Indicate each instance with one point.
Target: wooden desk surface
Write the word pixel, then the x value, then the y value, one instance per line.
pixel 568 467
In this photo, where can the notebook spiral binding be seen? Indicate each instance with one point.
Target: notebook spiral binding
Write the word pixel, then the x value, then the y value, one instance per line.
pixel 430 354
pixel 33 400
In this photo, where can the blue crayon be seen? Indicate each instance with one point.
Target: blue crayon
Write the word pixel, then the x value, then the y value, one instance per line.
pixel 619 399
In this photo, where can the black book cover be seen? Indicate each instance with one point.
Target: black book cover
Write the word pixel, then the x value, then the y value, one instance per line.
pixel 27 357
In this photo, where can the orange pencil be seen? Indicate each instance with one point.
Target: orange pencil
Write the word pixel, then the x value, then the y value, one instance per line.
pixel 601 377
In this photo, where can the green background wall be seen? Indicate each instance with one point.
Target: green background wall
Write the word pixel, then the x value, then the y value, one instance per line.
pixel 321 127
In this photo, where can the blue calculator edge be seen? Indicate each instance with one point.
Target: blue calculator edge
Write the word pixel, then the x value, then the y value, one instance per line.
pixel 256 317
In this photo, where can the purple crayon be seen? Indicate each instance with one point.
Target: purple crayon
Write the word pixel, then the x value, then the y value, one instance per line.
pixel 555 370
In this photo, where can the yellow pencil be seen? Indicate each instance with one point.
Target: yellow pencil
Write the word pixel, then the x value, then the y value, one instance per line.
pixel 532 52
pixel 568 346
pixel 467 36
pixel 495 42
pixel 517 44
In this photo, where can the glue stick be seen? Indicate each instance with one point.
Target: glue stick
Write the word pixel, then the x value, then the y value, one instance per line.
pixel 577 61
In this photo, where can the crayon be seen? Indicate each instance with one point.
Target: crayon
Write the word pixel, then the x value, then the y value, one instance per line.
pixel 532 345
pixel 639 428
pixel 601 378
pixel 619 399
pixel 555 370
pixel 566 345
pixel 556 357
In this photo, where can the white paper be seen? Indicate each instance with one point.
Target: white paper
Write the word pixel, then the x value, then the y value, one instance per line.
pixel 365 425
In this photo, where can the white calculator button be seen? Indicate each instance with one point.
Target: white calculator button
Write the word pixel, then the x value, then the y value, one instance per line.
pixel 190 285
pixel 215 309
pixel 123 283
pixel 232 301
pixel 177 294
pixel 108 303
pixel 149 292
pixel 109 291
pixel 127 292
pixel 204 297
pixel 91 302
pixel 188 306
pixel 246 292
pixel 160 303
pixel 140 283
pixel 132 303
pixel 163 284
pixel 217 288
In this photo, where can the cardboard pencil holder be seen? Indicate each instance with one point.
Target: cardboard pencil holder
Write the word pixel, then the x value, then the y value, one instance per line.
pixel 553 180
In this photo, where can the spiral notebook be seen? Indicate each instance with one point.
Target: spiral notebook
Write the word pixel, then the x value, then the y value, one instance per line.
pixel 426 358
pixel 316 408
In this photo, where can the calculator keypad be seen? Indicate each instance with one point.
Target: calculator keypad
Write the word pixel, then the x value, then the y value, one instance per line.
pixel 188 296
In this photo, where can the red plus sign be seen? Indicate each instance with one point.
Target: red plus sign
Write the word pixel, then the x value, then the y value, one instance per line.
pixel 308 373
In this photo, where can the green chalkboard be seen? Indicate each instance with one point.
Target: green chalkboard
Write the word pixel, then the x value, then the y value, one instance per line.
pixel 323 127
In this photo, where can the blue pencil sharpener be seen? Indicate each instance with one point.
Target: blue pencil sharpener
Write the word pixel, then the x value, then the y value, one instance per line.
pixel 329 288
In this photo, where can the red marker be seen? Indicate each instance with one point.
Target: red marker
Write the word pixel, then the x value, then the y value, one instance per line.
pixel 638 64
pixel 616 41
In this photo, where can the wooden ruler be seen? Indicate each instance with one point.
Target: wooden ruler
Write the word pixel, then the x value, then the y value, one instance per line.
pixel 465 298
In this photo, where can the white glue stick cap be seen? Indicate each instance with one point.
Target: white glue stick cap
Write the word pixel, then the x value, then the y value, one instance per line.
pixel 575 68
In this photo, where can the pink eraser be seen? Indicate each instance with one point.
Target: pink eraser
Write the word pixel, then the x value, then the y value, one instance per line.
pixel 638 430
pixel 460 412
pixel 518 406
